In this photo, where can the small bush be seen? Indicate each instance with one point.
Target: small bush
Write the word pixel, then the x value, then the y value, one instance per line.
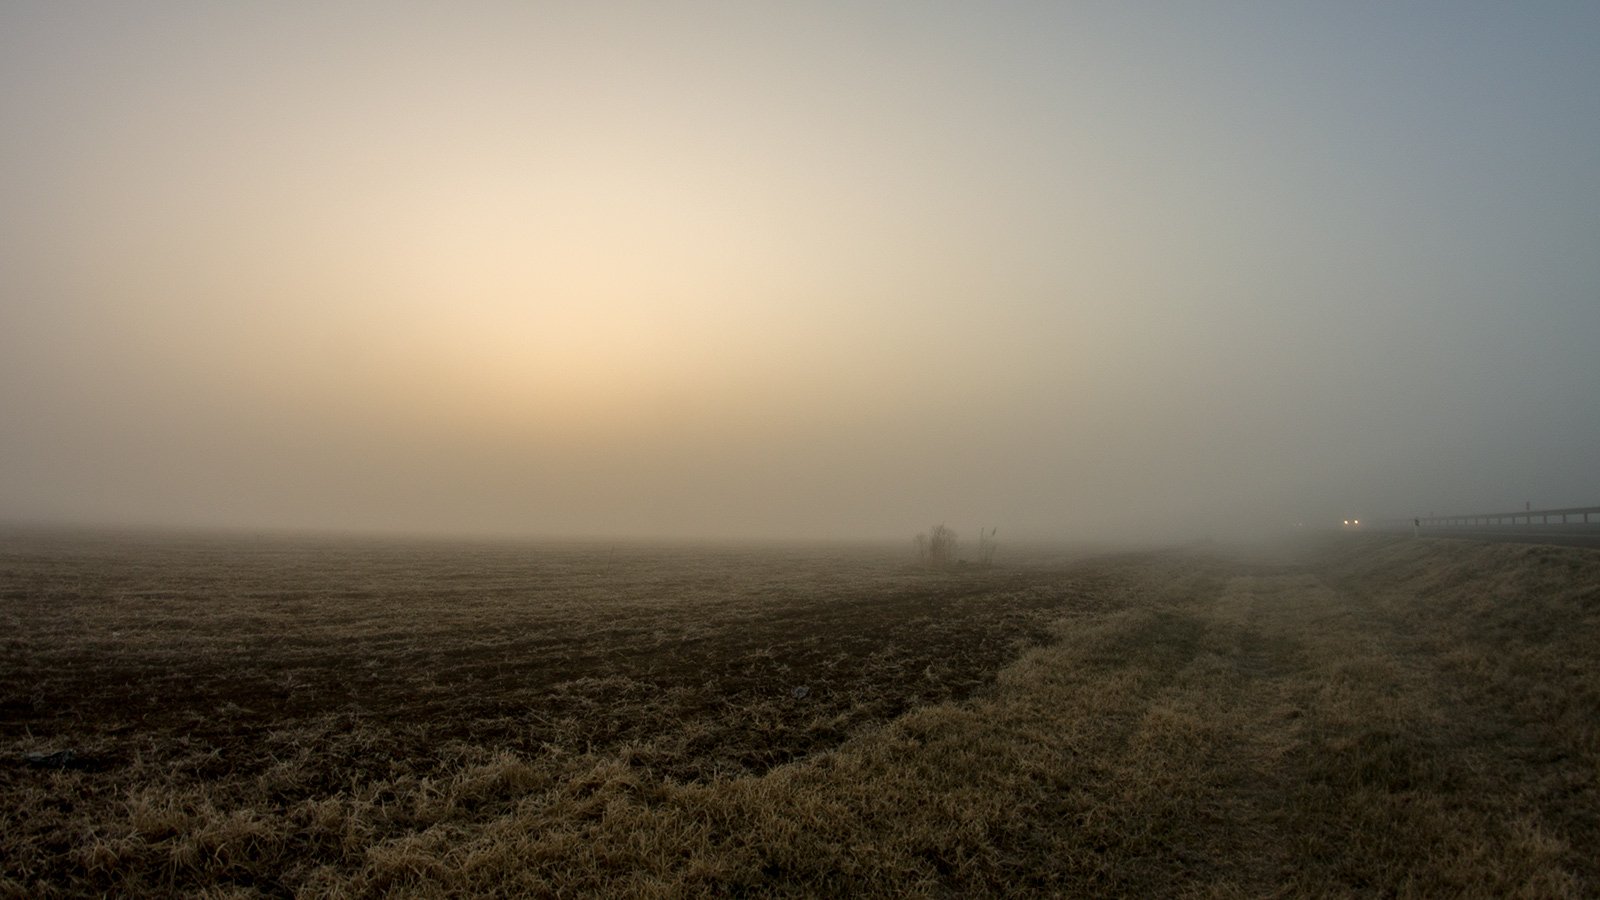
pixel 936 548
pixel 986 546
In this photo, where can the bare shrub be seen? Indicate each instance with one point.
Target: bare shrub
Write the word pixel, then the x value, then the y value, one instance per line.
pixel 936 548
pixel 986 547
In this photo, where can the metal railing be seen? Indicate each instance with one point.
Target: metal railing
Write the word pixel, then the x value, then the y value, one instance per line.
pixel 1522 518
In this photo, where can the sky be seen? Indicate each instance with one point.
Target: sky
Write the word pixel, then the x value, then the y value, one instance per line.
pixel 1083 271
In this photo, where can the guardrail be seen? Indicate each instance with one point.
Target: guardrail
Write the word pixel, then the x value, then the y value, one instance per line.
pixel 1524 517
pixel 1575 525
pixel 1571 520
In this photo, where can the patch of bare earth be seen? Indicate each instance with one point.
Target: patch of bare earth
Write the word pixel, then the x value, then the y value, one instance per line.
pixel 253 685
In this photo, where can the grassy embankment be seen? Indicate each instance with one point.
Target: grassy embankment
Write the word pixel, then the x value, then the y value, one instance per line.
pixel 1371 717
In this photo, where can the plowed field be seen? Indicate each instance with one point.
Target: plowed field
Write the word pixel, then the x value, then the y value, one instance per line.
pixel 1360 716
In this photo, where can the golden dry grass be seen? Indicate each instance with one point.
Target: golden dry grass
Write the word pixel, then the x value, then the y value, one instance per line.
pixel 1364 717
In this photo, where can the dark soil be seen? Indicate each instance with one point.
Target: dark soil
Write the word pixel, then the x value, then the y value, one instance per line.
pixel 222 659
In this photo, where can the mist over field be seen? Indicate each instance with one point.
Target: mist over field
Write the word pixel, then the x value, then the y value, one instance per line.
pixel 1081 271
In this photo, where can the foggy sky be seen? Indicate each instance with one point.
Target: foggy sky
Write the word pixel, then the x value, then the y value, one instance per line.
pixel 812 270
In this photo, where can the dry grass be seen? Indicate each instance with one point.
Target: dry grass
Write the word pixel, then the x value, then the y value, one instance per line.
pixel 1362 718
